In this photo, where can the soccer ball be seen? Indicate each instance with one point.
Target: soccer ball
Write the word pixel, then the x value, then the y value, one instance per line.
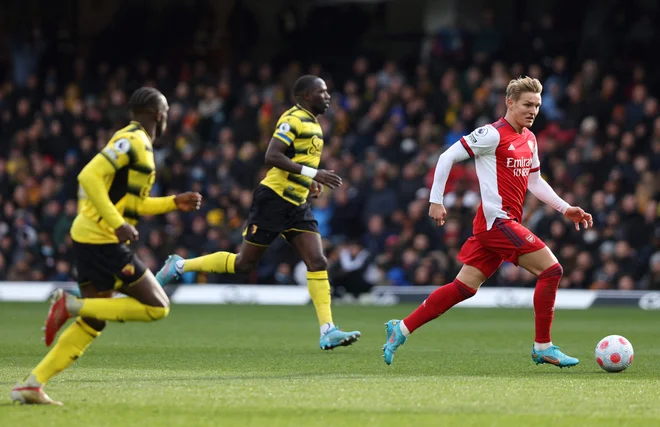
pixel 614 353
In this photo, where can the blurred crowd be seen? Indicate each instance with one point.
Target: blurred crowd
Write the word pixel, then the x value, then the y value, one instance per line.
pixel 598 133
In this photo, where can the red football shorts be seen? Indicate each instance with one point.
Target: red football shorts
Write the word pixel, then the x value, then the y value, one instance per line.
pixel 505 241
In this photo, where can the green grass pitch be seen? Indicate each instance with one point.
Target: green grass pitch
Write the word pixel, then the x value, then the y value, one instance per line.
pixel 261 366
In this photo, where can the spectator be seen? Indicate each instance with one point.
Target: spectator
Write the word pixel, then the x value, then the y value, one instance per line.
pixel 598 132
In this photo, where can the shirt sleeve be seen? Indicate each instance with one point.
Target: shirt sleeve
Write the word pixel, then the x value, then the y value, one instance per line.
pixel 453 155
pixel 156 205
pixel 542 190
pixel 120 151
pixel 481 141
pixel 288 129
pixel 536 163
pixel 92 180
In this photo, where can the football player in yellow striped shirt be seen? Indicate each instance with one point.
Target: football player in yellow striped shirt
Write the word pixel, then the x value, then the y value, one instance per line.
pixel 280 207
pixel 115 187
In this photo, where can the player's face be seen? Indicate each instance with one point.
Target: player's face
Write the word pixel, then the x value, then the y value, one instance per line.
pixel 525 109
pixel 319 97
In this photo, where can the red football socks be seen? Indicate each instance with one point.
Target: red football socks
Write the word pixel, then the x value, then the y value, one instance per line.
pixel 544 301
pixel 440 300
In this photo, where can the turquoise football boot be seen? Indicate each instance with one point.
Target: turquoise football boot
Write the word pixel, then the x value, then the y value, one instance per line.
pixel 335 338
pixel 395 338
pixel 554 357
pixel 74 291
pixel 168 273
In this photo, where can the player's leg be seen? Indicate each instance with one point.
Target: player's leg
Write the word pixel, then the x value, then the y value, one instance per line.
pixel 543 264
pixel 120 270
pixel 218 262
pixel 310 248
pixel 479 264
pixel 255 243
pixel 146 302
pixel 265 221
pixel 464 286
pixel 148 292
pixel 307 242
pixel 71 344
pixel 519 245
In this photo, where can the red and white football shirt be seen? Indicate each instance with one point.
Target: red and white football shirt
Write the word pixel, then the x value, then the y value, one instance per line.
pixel 503 159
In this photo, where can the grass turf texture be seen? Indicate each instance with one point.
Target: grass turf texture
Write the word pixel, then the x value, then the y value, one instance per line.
pixel 254 366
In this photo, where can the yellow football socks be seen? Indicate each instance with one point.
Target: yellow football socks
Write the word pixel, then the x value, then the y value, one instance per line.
pixel 319 289
pixel 219 262
pixel 121 309
pixel 70 346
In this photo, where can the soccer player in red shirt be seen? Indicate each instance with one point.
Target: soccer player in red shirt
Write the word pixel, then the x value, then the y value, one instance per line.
pixel 507 164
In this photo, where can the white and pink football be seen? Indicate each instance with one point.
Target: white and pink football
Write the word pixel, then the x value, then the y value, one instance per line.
pixel 614 353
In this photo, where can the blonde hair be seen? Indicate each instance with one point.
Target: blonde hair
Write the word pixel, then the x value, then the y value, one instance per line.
pixel 522 85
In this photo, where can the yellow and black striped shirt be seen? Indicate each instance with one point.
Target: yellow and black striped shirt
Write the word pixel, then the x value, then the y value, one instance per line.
pixel 115 187
pixel 299 129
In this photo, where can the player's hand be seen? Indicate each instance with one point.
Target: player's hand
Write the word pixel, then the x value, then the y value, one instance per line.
pixel 579 216
pixel 438 213
pixel 328 178
pixel 188 202
pixel 316 189
pixel 127 233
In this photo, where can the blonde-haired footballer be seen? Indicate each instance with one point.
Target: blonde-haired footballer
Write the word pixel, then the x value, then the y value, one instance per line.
pixel 507 162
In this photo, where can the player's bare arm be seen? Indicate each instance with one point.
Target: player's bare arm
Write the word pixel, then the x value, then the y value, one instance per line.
pixel 275 157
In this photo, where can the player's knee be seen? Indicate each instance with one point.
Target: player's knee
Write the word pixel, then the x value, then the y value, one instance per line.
pixel 97 325
pixel 157 313
pixel 317 263
pixel 556 270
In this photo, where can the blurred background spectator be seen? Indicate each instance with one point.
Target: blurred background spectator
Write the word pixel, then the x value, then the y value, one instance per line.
pixel 64 84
